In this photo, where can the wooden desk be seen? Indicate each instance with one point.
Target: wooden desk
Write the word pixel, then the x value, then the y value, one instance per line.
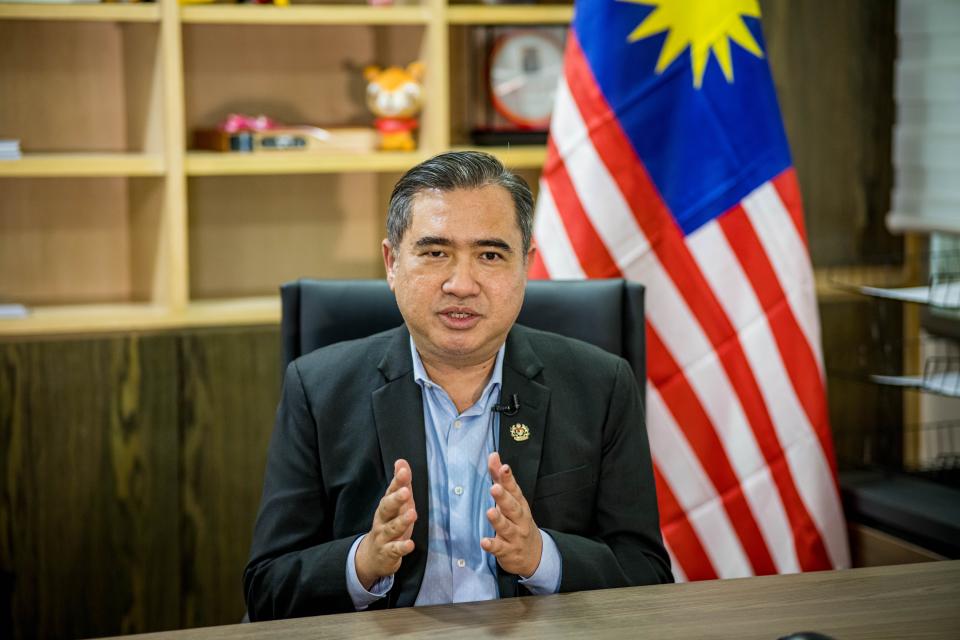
pixel 906 601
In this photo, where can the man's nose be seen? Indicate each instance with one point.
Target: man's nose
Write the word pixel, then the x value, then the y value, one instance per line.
pixel 461 282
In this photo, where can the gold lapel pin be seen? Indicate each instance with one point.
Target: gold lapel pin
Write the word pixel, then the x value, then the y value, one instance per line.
pixel 520 432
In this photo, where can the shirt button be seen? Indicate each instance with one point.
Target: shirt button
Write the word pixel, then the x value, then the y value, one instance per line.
pixel 461 563
pixel 458 491
pixel 457 424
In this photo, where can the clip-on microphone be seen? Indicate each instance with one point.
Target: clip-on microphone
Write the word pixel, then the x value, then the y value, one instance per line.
pixel 510 409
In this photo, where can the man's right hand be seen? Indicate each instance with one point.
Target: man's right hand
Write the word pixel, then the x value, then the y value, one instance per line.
pixel 381 551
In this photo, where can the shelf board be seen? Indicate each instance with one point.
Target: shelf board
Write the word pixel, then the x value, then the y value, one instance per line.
pixel 509 14
pixel 112 12
pixel 519 157
pixel 212 163
pixel 87 318
pixel 82 165
pixel 304 14
pixel 233 311
pixel 122 317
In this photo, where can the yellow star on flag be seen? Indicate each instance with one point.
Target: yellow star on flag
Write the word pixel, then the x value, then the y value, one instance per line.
pixel 705 26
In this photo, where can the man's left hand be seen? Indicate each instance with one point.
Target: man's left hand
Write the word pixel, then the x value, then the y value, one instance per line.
pixel 517 544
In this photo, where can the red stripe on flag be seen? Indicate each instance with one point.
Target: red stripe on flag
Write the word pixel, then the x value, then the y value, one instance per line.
pixel 797 354
pixel 699 431
pixel 680 535
pixel 667 242
pixel 789 190
pixel 595 259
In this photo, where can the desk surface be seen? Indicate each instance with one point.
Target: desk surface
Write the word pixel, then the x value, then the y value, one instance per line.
pixel 907 601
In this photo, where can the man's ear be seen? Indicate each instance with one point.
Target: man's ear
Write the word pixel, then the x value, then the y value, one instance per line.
pixel 530 253
pixel 389 261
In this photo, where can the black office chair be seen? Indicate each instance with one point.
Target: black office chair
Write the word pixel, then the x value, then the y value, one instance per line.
pixel 606 313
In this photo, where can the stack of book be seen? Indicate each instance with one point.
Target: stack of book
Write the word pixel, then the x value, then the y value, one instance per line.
pixel 9 149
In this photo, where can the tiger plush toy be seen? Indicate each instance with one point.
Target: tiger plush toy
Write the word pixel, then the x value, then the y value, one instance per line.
pixel 395 96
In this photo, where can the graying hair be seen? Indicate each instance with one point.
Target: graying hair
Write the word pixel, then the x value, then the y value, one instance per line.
pixel 458 170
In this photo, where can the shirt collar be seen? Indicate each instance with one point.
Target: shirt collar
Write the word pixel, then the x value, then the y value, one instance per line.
pixel 421 376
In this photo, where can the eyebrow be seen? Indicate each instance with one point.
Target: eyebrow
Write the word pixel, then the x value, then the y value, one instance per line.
pixel 434 241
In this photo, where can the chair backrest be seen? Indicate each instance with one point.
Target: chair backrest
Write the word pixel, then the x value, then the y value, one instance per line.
pixel 606 313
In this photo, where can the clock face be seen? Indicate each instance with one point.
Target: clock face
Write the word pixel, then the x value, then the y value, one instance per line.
pixel 525 67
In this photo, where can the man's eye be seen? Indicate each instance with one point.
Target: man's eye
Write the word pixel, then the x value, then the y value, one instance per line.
pixel 491 256
pixel 436 253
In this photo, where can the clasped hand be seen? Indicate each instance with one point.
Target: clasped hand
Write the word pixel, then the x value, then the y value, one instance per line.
pixel 517 544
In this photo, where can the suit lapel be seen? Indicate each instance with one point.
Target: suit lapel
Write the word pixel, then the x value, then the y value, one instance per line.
pixel 398 411
pixel 522 454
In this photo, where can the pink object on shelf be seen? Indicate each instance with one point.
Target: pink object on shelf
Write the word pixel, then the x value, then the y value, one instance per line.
pixel 236 122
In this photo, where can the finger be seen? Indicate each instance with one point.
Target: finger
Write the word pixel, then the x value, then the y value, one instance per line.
pixel 395 528
pixel 501 525
pixel 493 546
pixel 508 505
pixel 392 503
pixel 493 466
pixel 509 482
pixel 402 476
pixel 402 471
pixel 399 548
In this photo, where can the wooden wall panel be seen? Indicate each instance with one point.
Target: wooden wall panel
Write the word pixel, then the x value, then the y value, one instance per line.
pixel 833 68
pixel 88 514
pixel 230 386
pixel 866 418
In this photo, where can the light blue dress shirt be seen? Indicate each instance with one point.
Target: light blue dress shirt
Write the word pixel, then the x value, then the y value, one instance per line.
pixel 458 446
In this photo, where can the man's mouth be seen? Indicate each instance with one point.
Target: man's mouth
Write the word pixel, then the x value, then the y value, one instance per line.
pixel 459 318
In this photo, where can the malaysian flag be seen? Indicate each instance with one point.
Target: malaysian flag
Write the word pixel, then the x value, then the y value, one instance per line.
pixel 668 164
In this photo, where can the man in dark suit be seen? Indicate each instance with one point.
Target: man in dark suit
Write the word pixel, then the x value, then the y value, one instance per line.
pixel 458 457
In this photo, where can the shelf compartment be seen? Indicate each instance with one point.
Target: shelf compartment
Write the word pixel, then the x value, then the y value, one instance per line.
pixel 146 12
pixel 212 163
pixel 82 88
pixel 83 241
pixel 249 235
pixel 506 14
pixel 67 165
pixel 295 74
pixel 304 15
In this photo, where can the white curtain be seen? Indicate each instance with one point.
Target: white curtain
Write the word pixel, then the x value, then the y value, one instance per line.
pixel 926 157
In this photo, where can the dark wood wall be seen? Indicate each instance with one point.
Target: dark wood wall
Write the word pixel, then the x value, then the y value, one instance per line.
pixel 131 470
pixel 131 465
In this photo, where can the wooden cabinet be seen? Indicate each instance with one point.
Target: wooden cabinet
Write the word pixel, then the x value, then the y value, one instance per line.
pixel 111 222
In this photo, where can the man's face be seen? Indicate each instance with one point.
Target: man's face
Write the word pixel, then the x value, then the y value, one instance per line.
pixel 459 273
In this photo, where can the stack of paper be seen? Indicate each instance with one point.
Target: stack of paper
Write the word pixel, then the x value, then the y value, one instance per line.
pixel 9 149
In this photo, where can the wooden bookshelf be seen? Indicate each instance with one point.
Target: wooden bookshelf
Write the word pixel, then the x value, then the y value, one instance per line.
pixel 110 222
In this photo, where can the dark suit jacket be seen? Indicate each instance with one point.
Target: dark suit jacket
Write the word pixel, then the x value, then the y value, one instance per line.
pixel 348 411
